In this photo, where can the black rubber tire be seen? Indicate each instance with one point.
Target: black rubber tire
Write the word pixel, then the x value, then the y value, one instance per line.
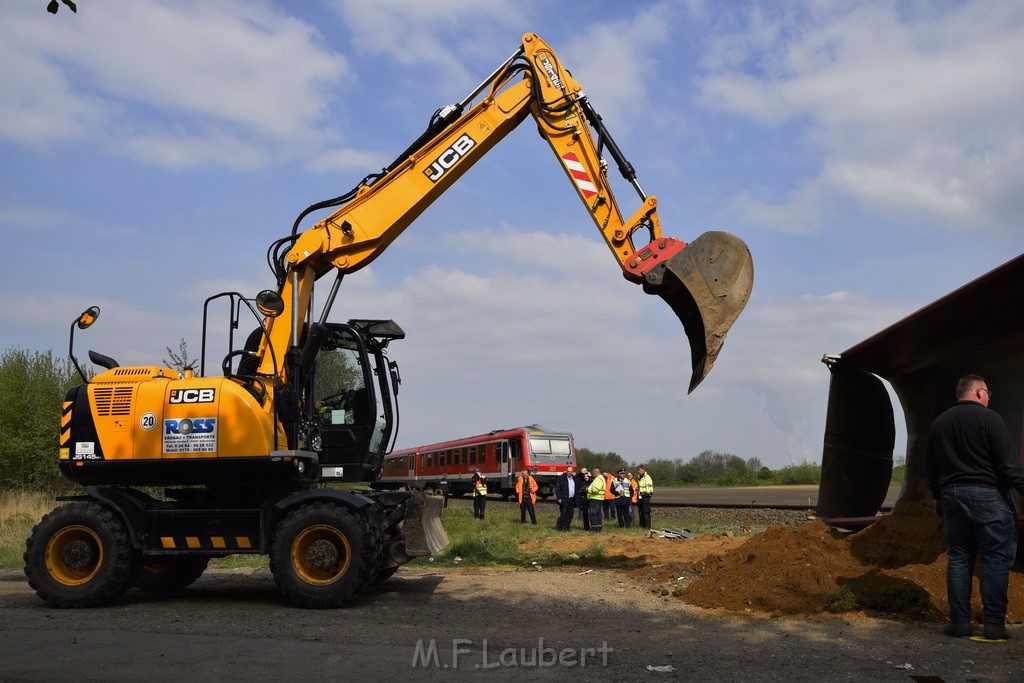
pixel 80 555
pixel 322 555
pixel 170 573
pixel 384 574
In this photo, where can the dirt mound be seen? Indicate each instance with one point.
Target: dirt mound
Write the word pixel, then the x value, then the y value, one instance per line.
pixel 896 566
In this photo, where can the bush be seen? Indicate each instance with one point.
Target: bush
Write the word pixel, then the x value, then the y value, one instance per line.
pixel 32 390
pixel 805 473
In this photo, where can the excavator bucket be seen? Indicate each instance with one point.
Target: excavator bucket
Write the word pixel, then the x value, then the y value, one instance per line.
pixel 707 284
pixel 422 529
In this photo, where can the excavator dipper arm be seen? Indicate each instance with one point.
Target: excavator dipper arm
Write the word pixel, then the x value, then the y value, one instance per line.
pixel 707 282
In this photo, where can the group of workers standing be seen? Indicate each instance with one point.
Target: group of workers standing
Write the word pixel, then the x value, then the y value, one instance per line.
pixel 583 490
pixel 590 492
pixel 614 496
pixel 597 496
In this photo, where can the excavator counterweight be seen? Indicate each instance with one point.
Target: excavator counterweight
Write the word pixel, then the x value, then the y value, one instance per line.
pixel 706 284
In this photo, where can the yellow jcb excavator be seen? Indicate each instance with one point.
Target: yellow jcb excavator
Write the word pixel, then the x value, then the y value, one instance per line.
pixel 248 456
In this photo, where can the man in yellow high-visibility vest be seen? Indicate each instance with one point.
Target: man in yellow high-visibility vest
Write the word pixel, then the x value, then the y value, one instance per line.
pixel 645 489
pixel 595 498
pixel 479 494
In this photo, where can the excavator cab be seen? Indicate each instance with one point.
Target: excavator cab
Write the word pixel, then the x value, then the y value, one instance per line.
pixel 706 285
pixel 350 417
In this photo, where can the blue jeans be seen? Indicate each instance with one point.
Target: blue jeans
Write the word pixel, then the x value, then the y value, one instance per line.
pixel 978 521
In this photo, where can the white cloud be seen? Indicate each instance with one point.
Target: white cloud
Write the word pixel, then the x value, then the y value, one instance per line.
pixel 614 62
pixel 236 82
pixel 915 108
pixel 439 34
pixel 774 352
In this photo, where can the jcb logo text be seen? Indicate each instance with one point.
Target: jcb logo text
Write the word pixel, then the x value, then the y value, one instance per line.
pixel 449 157
pixel 192 395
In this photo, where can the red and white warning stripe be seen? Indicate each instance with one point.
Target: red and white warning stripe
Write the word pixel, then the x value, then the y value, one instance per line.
pixel 579 174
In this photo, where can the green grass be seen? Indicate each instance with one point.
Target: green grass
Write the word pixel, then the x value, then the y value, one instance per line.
pixel 880 594
pixel 19 512
pixel 842 600
pixel 494 541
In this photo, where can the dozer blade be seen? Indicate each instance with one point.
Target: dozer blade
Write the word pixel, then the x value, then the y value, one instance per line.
pixel 707 284
pixel 422 529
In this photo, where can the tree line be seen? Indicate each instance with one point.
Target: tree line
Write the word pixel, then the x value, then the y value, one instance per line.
pixel 708 468
pixel 33 385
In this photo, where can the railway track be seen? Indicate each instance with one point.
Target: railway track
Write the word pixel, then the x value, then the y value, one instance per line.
pixel 767 497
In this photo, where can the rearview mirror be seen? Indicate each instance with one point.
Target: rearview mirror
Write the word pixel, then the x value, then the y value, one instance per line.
pixel 88 317
pixel 270 303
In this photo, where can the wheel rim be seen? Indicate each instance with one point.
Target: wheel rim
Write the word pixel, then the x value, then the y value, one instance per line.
pixel 74 555
pixel 321 554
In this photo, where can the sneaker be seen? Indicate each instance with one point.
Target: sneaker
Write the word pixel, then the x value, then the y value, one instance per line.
pixel 957 630
pixel 996 632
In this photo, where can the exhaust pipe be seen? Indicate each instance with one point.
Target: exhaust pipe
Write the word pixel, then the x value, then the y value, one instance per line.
pixel 707 284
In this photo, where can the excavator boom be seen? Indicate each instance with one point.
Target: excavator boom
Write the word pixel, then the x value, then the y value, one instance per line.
pixel 706 282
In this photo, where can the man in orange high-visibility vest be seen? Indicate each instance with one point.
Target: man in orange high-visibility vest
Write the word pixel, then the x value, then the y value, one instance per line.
pixel 609 496
pixel 526 489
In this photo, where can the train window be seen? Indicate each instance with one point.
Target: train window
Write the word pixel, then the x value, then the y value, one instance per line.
pixel 472 455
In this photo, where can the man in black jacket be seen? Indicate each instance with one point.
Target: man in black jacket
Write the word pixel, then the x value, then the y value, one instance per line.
pixel 972 471
pixel 565 494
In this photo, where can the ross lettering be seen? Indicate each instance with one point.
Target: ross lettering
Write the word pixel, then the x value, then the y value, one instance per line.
pixel 186 426
pixel 192 396
pixel 449 157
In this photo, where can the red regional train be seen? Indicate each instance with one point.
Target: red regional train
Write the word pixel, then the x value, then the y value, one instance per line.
pixel 499 455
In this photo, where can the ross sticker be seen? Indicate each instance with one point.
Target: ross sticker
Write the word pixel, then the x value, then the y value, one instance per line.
pixel 148 421
pixel 190 435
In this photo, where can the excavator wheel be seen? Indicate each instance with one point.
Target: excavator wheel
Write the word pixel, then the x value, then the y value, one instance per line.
pixel 167 574
pixel 80 555
pixel 323 555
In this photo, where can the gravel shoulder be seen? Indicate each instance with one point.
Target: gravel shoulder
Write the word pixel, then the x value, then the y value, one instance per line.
pixel 427 623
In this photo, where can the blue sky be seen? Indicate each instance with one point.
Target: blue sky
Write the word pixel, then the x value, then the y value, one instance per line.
pixel 871 154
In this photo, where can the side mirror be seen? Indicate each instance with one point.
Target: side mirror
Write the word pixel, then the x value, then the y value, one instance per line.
pixel 269 303
pixel 88 317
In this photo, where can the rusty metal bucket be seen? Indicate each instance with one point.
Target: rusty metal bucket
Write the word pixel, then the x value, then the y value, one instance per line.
pixel 424 534
pixel 707 284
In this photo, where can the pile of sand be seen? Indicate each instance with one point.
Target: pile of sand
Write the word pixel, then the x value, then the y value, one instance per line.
pixel 896 566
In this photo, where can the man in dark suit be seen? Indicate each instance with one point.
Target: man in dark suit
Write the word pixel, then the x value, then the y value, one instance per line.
pixel 565 494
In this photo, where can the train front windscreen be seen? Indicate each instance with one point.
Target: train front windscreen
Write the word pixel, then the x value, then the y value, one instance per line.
pixel 551 449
